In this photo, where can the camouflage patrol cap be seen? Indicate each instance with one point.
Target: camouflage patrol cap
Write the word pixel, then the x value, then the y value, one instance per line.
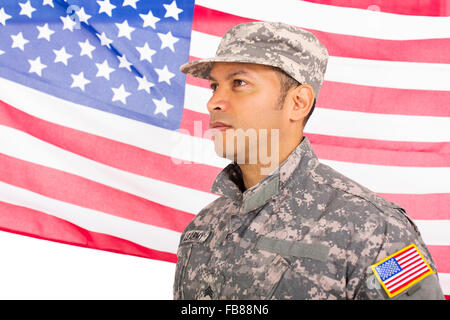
pixel 297 52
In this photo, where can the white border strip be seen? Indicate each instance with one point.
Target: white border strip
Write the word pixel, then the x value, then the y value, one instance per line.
pixel 348 21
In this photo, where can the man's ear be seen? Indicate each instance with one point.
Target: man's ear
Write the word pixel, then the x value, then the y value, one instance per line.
pixel 301 100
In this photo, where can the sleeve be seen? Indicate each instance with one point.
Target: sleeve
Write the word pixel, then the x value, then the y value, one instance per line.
pixel 388 235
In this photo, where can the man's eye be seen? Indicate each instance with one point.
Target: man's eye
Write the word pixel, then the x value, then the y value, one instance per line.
pixel 213 86
pixel 239 82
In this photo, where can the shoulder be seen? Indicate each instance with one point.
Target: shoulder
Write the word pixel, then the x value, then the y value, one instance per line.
pixel 351 191
pixel 363 221
pixel 354 202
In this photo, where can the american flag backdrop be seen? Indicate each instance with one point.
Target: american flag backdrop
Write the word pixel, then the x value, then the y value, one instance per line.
pixel 102 139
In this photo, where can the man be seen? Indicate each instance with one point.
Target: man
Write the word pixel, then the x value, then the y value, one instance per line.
pixel 302 230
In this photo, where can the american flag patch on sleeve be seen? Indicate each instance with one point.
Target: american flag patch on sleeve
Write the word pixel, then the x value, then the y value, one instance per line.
pixel 401 270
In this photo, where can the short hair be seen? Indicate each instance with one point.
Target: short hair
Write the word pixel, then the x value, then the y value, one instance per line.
pixel 286 83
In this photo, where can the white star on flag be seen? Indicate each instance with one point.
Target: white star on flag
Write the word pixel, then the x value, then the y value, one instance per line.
pixel 168 40
pixel 68 23
pixel 79 81
pixel 19 41
pixel 62 55
pixel 45 32
pixel 4 16
pixel 124 30
pixel 48 2
pixel 120 94
pixel 86 48
pixel 124 63
pixel 104 70
pixel 144 84
pixel 82 15
pixel 105 41
pixel 106 7
pixel 149 20
pixel 162 106
pixel 131 3
pixel 145 52
pixel 26 9
pixel 164 74
pixel 36 66
pixel 172 10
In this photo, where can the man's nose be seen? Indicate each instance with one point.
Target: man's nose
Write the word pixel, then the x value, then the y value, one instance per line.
pixel 218 102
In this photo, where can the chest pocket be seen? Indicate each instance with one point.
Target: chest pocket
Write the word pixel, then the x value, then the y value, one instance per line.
pixel 293 248
pixel 286 252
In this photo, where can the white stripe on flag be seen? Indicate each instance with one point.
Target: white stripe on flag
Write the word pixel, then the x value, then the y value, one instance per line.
pixel 20 145
pixel 379 73
pixel 434 232
pixel 353 124
pixel 348 21
pixel 143 234
pixel 108 125
pixel 395 179
pixel 444 280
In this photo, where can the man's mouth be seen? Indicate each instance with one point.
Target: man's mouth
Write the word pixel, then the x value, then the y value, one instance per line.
pixel 221 126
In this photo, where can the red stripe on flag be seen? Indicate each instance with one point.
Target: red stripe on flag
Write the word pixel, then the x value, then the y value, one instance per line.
pixel 408 7
pixel 432 206
pixel 359 98
pixel 379 152
pixel 40 225
pixel 440 256
pixel 85 193
pixel 339 45
pixel 222 21
pixel 110 152
pixel 352 97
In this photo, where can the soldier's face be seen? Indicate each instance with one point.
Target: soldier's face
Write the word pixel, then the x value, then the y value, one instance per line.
pixel 244 105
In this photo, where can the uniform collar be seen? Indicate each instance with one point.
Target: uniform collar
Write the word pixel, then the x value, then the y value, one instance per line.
pixel 229 181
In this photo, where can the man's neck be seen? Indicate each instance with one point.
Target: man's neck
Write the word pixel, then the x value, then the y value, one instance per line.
pixel 252 174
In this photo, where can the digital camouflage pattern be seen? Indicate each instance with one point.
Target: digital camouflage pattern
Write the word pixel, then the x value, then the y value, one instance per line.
pixel 303 232
pixel 295 51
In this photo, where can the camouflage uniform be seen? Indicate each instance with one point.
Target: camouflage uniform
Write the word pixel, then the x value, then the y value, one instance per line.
pixel 304 232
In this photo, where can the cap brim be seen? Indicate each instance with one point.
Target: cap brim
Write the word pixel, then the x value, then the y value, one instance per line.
pixel 198 68
pixel 202 68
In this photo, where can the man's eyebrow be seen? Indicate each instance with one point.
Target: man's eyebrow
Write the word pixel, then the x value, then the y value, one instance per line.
pixel 231 75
